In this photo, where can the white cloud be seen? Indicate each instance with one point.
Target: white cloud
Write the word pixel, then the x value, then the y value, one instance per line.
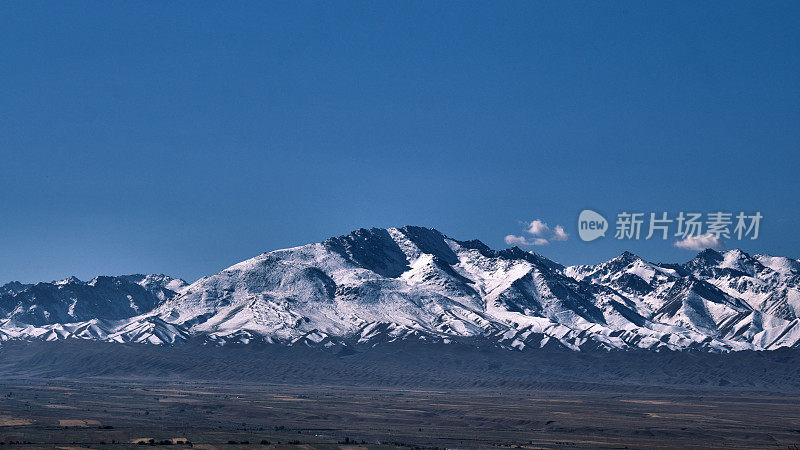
pixel 538 228
pixel 516 240
pixel 522 240
pixel 540 234
pixel 559 234
pixel 700 242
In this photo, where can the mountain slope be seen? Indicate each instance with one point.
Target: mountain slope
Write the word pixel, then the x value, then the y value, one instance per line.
pixel 411 283
pixel 73 300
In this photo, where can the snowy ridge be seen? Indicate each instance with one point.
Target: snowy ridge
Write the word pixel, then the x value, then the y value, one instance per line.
pixel 72 300
pixel 412 283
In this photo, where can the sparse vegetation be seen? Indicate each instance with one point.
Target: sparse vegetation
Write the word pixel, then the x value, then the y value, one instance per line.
pixel 424 417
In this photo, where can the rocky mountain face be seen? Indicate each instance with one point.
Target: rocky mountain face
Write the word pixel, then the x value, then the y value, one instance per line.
pixel 63 308
pixel 73 300
pixel 386 285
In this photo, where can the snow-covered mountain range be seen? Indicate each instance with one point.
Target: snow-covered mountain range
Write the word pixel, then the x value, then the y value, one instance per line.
pixel 412 283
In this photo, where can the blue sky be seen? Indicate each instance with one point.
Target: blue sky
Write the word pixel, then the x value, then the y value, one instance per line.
pixel 183 137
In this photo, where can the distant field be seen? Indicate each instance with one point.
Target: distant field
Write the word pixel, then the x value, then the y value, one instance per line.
pixel 69 413
pixel 95 395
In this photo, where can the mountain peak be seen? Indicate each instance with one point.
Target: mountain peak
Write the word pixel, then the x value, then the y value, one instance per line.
pixel 738 253
pixel 708 256
pixel 628 256
pixel 378 285
pixel 780 264
pixel 625 258
pixel 70 280
pixel 476 244
pixel 72 300
pixel 736 259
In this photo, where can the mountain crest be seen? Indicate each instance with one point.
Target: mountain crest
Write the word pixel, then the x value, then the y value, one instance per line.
pixel 374 286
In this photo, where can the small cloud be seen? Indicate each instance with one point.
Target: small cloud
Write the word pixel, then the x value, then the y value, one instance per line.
pixel 516 240
pixel 522 240
pixel 559 234
pixel 538 228
pixel 700 242
pixel 540 234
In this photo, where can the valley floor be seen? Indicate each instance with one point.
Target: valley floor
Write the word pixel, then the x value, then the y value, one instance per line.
pixel 97 414
pixel 97 395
